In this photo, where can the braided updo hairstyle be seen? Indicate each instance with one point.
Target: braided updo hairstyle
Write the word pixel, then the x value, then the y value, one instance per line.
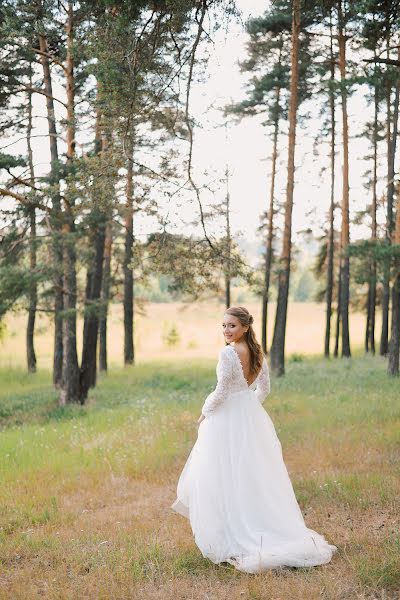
pixel 256 353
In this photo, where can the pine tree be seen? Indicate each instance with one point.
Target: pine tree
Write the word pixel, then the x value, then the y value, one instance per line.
pixel 278 341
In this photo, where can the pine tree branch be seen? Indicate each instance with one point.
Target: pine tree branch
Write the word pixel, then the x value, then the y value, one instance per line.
pixel 24 200
pixel 187 119
pixel 45 135
pixel 385 61
pixel 50 57
pixel 29 88
pixel 18 180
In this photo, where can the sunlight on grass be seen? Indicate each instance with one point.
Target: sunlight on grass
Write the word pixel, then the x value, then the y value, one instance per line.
pixel 82 487
pixel 379 568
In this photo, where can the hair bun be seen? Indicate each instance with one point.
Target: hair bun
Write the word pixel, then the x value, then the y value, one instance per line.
pixel 251 320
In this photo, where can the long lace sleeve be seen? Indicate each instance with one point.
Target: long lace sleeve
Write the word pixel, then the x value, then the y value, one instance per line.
pixel 263 383
pixel 224 377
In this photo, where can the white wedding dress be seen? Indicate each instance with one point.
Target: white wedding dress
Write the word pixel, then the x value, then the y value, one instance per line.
pixel 235 488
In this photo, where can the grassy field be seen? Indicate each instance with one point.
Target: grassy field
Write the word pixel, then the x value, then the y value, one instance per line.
pixel 198 326
pixel 86 491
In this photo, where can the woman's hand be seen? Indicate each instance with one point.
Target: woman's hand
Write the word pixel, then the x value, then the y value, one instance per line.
pixel 201 418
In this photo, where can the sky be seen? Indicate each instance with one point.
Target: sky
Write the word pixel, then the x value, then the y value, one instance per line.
pixel 245 148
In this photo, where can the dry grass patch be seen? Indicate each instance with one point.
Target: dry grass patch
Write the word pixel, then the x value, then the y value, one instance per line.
pixel 85 509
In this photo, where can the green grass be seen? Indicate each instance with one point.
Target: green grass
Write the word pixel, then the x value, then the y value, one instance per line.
pixel 27 398
pixel 339 423
pixel 379 568
pixel 126 428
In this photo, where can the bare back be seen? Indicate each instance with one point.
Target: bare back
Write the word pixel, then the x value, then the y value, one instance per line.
pixel 243 352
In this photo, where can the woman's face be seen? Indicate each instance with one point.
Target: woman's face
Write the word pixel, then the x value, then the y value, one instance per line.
pixel 232 328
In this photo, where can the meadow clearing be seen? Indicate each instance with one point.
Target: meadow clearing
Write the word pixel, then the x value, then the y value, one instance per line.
pixel 86 491
pixel 197 324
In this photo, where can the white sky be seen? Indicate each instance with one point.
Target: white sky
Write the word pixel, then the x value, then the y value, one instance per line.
pixel 246 147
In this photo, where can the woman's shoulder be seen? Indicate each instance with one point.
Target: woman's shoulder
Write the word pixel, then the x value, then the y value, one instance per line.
pixel 226 351
pixel 242 350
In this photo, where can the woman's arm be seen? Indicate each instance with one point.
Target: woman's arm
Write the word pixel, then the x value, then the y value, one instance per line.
pixel 224 376
pixel 263 387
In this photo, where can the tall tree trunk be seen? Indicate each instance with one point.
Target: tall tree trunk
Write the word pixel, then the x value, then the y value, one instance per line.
pixel 30 329
pixel 105 295
pixel 383 347
pixel 91 320
pixel 229 242
pixel 372 280
pixel 278 342
pixel 70 370
pixel 394 346
pixel 368 321
pixel 69 389
pixel 93 281
pixel 391 154
pixel 270 232
pixel 338 314
pixel 345 231
pixel 129 356
pixel 57 216
pixel 331 241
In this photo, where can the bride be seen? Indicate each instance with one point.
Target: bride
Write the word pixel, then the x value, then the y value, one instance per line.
pixel 234 488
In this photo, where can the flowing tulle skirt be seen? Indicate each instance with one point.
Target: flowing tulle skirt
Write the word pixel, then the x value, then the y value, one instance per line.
pixel 237 494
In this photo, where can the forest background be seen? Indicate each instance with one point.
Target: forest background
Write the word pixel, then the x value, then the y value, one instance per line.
pixel 160 161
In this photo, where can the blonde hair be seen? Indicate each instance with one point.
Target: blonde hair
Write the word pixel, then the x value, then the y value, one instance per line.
pixel 256 352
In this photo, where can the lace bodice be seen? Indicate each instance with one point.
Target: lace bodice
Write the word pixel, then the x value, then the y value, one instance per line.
pixel 231 379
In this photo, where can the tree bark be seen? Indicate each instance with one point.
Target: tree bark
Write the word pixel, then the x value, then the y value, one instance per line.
pixel 383 347
pixel 393 362
pixel 331 241
pixel 338 315
pixel 394 346
pixel 105 295
pixel 372 280
pixel 91 319
pixel 129 356
pixel 391 153
pixel 278 341
pixel 94 277
pixel 270 233
pixel 368 321
pixel 56 219
pixel 30 330
pixel 70 370
pixel 345 231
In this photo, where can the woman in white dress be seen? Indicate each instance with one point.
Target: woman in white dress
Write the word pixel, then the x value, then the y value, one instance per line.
pixel 234 488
